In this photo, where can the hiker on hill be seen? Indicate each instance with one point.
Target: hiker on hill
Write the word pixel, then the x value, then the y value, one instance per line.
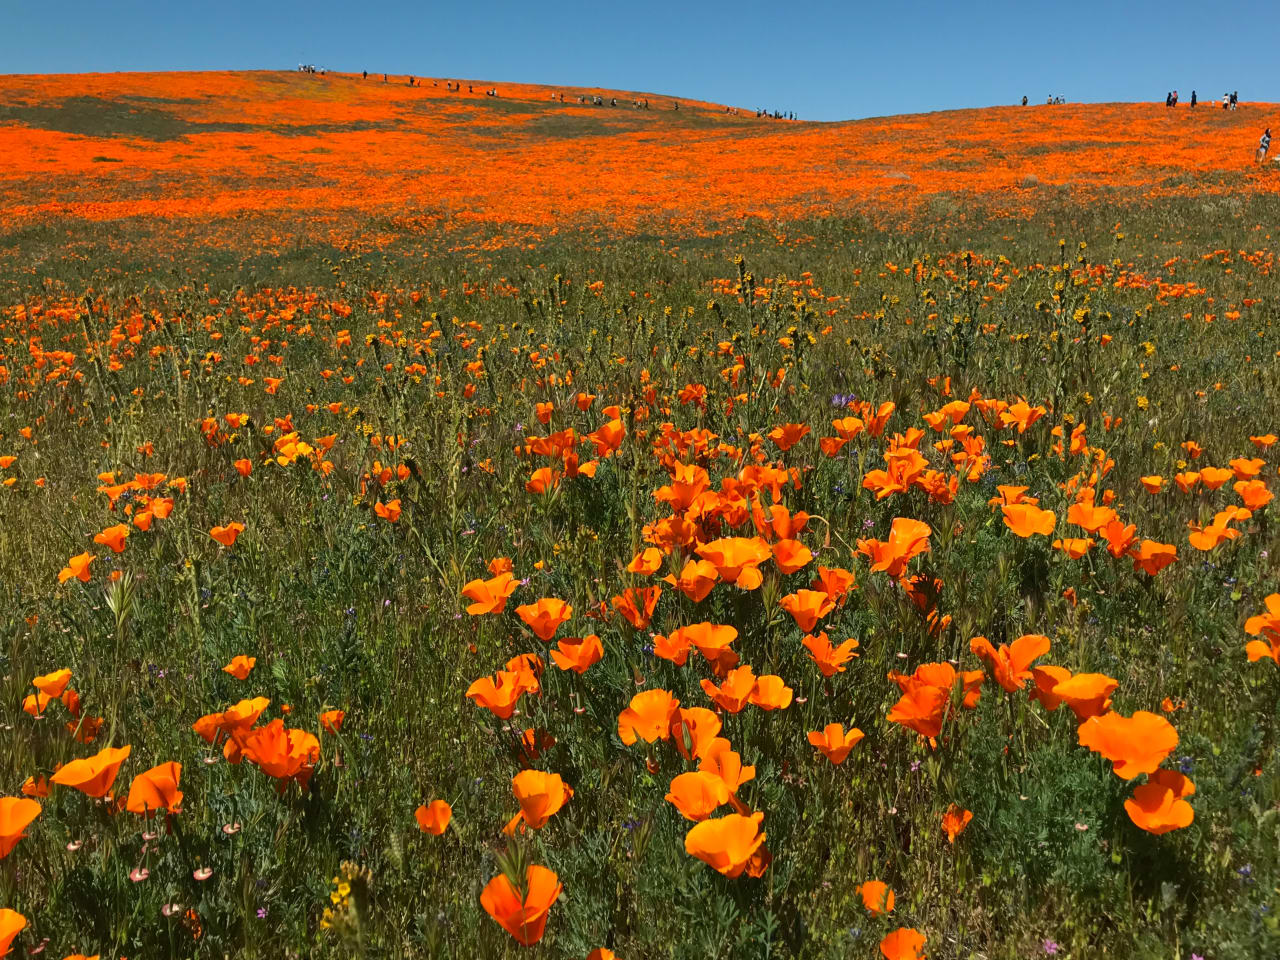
pixel 1226 100
pixel 1024 99
pixel 1193 98
pixel 1264 145
pixel 1235 98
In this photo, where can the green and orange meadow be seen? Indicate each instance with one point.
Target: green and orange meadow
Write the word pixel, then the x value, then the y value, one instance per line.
pixel 438 524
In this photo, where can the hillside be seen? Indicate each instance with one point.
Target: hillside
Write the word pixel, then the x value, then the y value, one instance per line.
pixel 216 145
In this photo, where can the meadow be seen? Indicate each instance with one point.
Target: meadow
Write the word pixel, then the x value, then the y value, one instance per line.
pixel 448 526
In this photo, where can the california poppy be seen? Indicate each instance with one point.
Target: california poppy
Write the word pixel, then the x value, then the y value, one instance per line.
pixel 389 511
pixel 156 789
pixel 282 753
pixel 697 794
pixel 113 537
pixel 726 843
pixel 719 757
pixel 16 813
pixel 240 666
pixel 545 617
pixel 1011 665
pixel 77 567
pixel 1152 557
pixel 1026 520
pixel 737 559
pixel 791 555
pixel 54 683
pixel 1087 694
pixel 696 579
pixel 771 693
pixel 637 605
pixel 710 639
pixel 1268 625
pixel 433 817
pixel 907 539
pixel 1158 806
pixel 578 653
pixel 903 944
pixel 523 914
pixel 12 923
pixel 954 821
pixel 735 691
pixel 648 718
pixel 489 596
pixel 1137 744
pixel 540 795
pixel 646 562
pixel 807 607
pixel 93 776
pixel 834 743
pixel 876 897
pixel 500 692
pixel 227 535
pixel 693 729
pixel 331 721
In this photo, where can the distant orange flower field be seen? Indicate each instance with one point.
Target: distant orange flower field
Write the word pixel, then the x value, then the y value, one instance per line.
pixel 208 145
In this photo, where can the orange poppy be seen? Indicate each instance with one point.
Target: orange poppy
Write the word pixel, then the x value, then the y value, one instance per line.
pixel 77 567
pixel 807 607
pixel 1152 484
pixel 1152 557
pixel 331 721
pixel 1158 805
pixel 833 743
pixel 1137 744
pixel 697 794
pixel 726 843
pixel 735 691
pixel 1214 477
pixel 545 617
pixel 1022 415
pixel 489 596
pixel 243 467
pixel 847 428
pixel 156 789
pixel 1024 519
pixel 771 693
pixel 710 639
pixel 227 535
pixel 283 754
pixel 696 579
pixel 719 757
pixel 1187 480
pixel 16 814
pixel 830 660
pixel 12 923
pixel 433 817
pixel 646 562
pixel 788 435
pixel 93 776
pixel 648 718
pixel 954 821
pixel 907 540
pixel 876 897
pixel 540 795
pixel 500 692
pixel 523 914
pixel 53 684
pixel 1247 469
pixel 637 605
pixel 1253 493
pixel 389 511
pixel 113 537
pixel 737 559
pixel 578 653
pixel 693 729
pixel 835 582
pixel 1011 665
pixel 240 666
pixel 1074 547
pixel 904 943
pixel 1268 625
pixel 543 480
pixel 1087 694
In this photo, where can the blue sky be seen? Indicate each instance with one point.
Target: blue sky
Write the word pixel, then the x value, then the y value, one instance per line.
pixel 824 60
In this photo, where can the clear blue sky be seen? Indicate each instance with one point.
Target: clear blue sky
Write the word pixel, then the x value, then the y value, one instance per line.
pixel 824 60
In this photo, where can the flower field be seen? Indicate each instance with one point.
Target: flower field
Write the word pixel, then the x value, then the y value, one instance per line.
pixel 462 526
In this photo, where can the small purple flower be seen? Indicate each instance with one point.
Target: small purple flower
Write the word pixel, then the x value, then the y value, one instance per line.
pixel 262 913
pixel 1050 946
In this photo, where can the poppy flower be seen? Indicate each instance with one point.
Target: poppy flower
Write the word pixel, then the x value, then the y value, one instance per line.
pixel 903 944
pixel 578 653
pixel 243 467
pixel 12 923
pixel 1187 480
pixel 1158 805
pixel 1153 484
pixel 807 607
pixel 540 795
pixel 1152 557
pixel 907 540
pixel 693 729
pixel 77 567
pixel 16 814
pixel 830 660
pixel 696 579
pixel 710 639
pixel 433 817
pixel 545 617
pixel 489 596
pixel 1087 694
pixel 726 843
pixel 240 666
pixel 500 565
pixel 697 794
pixel 113 537
pixel 602 953
pixel 1137 744
pixel 833 743
pixel 674 647
pixel 331 721
pixel 1026 520
pixel 389 511
pixel 737 559
pixel 93 776
pixel 648 718
pixel 522 914
pixel 156 789
pixel 500 692
pixel 876 897
pixel 954 821
pixel 830 446
pixel 543 480
pixel 281 753
pixel 1074 547
pixel 791 555
pixel 1011 665
pixel 847 428
pixel 719 757
pixel 227 535
pixel 637 605
pixel 1214 477
pixel 1253 493
pixel 53 684
pixel 1268 625
pixel 646 562
pixel 1247 469
pixel 1119 537
pixel 771 693
pixel 788 435
pixel 735 691
pixel 1206 538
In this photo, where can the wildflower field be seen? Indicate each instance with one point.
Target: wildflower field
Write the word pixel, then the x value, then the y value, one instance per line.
pixel 440 525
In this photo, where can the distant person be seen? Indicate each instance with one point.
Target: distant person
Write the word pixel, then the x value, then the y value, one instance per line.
pixel 364 74
pixel 1024 99
pixel 1263 146
pixel 1235 98
pixel 1168 99
pixel 1226 100
pixel 1193 98
pixel 1175 98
